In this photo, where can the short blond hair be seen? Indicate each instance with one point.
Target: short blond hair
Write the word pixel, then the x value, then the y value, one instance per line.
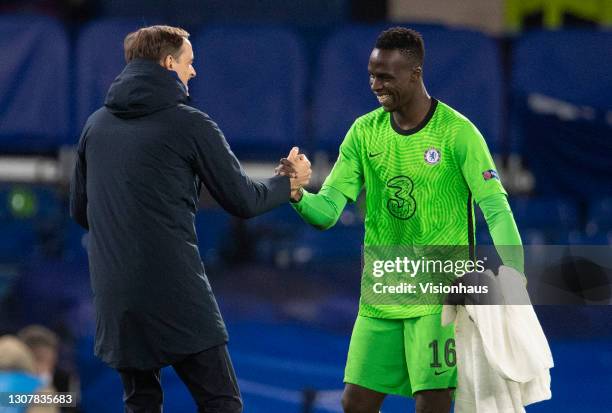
pixel 15 355
pixel 154 43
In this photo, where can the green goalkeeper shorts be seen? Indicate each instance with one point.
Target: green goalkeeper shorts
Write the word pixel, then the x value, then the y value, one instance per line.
pixel 402 356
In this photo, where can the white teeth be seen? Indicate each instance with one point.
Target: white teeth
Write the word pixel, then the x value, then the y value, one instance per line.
pixel 383 98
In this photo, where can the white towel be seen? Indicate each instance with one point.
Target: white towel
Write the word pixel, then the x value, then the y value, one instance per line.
pixel 503 358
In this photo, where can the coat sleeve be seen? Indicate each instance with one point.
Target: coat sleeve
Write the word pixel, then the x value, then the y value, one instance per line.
pixel 78 185
pixel 220 171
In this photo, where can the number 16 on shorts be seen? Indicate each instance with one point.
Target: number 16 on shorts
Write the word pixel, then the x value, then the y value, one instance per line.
pixel 442 352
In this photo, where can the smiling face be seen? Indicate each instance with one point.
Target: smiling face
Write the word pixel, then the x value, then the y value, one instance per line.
pixel 182 64
pixel 394 78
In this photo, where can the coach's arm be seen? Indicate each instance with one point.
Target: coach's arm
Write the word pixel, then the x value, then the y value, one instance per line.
pixel 78 185
pixel 223 176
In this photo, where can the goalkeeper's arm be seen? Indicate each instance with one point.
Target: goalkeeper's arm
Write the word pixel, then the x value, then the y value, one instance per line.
pixel 323 209
pixel 503 230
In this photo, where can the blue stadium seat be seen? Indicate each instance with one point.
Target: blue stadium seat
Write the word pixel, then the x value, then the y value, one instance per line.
pixel 274 234
pixel 547 212
pixel 537 236
pixel 191 13
pixel 18 241
pixel 561 92
pixel 600 213
pixel 34 84
pixel 568 65
pixel 31 219
pixel 46 201
pixel 599 222
pixel 75 241
pixel 58 289
pixel 143 9
pixel 5 204
pixel 51 204
pixel 282 239
pixel 212 228
pixel 462 69
pixel 530 234
pixel 336 252
pixel 252 81
pixel 546 219
pixel 581 238
pixel 100 59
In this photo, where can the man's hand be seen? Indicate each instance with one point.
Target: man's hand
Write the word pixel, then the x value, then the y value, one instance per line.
pixel 297 167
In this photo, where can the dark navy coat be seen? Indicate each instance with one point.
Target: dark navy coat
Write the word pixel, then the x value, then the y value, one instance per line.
pixel 142 159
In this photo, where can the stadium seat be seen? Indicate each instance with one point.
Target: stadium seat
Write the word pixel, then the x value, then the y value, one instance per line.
pixel 212 229
pixel 149 9
pixel 599 222
pixel 252 81
pixel 31 218
pixel 51 204
pixel 274 234
pixel 28 201
pixel 5 204
pixel 335 253
pixel 536 236
pixel 75 241
pixel 547 212
pixel 462 69
pixel 100 59
pixel 190 13
pixel 18 241
pixel 282 239
pixel 581 238
pixel 34 84
pixel 544 219
pixel 56 287
pixel 600 213
pixel 564 65
pixel 559 120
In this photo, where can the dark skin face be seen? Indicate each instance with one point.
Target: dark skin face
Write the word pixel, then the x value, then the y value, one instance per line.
pixel 396 80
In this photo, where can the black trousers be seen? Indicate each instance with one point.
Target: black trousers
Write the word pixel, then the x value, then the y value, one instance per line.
pixel 208 375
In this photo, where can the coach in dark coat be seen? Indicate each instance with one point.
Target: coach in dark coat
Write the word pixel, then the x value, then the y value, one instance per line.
pixel 142 159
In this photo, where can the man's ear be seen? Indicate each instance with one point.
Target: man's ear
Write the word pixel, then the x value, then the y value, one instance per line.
pixel 417 72
pixel 168 62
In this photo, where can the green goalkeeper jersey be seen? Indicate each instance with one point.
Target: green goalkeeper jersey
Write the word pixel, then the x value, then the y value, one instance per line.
pixel 420 184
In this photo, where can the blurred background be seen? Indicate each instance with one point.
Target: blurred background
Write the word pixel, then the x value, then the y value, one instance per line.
pixel 534 76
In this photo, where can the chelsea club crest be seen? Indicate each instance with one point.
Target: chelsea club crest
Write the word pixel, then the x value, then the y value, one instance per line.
pixel 432 156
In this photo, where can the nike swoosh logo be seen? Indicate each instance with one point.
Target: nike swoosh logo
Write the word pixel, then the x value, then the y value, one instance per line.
pixel 438 373
pixel 372 155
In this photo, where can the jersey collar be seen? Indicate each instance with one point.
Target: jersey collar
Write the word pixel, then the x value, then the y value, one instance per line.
pixel 421 125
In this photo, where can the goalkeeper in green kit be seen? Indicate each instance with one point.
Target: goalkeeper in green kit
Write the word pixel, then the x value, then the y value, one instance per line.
pixel 423 165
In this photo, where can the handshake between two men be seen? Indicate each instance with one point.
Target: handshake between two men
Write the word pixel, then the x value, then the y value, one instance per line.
pixel 297 167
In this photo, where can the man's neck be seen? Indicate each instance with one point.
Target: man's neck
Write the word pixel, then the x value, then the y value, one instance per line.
pixel 412 114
